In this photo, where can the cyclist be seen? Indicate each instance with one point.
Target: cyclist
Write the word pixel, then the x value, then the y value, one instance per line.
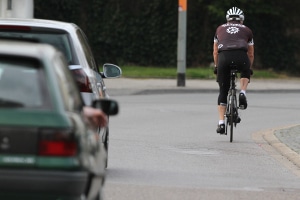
pixel 95 117
pixel 233 44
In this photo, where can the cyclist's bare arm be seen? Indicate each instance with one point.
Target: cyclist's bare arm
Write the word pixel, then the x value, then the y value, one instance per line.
pixel 215 53
pixel 251 54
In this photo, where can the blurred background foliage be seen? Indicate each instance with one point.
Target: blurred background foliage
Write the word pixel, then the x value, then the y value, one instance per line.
pixel 144 33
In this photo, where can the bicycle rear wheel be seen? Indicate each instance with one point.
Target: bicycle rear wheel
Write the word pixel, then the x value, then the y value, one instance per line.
pixel 231 116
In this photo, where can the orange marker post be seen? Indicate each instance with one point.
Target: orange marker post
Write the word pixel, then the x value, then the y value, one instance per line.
pixel 181 43
pixel 182 5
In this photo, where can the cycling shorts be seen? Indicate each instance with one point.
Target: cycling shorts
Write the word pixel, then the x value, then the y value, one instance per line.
pixel 236 57
pixel 226 58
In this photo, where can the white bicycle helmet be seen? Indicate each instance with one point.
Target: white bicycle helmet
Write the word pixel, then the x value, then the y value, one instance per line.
pixel 235 13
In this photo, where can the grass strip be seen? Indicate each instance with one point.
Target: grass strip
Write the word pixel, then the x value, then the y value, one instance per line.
pixel 191 73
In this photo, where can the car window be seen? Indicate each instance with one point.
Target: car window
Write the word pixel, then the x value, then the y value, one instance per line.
pixel 22 84
pixel 59 39
pixel 68 88
pixel 87 50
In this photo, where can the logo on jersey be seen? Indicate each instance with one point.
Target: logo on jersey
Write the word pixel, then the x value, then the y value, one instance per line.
pixel 232 30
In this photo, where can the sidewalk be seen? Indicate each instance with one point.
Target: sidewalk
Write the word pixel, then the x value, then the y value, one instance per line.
pixel 286 141
pixel 127 86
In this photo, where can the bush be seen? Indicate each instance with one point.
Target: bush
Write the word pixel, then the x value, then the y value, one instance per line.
pixel 144 32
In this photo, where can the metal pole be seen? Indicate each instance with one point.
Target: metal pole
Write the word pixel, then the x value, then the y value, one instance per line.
pixel 22 8
pixel 181 43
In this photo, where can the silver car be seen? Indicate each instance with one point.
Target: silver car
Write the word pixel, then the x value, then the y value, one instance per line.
pixel 71 40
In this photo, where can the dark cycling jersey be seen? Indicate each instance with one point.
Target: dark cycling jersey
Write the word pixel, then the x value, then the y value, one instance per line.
pixel 233 36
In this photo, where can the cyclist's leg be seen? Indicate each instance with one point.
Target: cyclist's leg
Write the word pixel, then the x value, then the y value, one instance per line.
pixel 244 84
pixel 244 68
pixel 243 64
pixel 223 78
pixel 222 103
pixel 222 99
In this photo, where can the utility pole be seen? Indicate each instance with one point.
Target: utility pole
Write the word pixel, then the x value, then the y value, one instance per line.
pixel 16 8
pixel 22 8
pixel 181 43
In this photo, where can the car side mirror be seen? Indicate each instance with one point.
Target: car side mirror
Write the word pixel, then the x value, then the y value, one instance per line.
pixel 111 71
pixel 108 106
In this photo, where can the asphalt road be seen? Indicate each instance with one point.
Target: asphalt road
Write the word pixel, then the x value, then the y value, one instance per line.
pixel 164 146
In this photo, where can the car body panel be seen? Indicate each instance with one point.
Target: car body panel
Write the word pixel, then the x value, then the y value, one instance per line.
pixel 47 182
pixel 33 118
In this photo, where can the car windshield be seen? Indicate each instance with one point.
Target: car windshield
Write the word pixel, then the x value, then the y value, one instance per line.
pixel 21 85
pixel 57 39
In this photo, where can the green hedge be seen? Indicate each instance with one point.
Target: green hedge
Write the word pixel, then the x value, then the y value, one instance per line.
pixel 143 32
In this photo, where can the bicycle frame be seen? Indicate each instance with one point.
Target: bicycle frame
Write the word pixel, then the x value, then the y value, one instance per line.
pixel 231 113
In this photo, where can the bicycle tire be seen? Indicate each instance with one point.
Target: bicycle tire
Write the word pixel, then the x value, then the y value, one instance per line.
pixel 228 114
pixel 231 116
pixel 236 113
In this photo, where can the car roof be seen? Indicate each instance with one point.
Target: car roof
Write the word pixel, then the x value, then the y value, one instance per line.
pixel 39 23
pixel 26 49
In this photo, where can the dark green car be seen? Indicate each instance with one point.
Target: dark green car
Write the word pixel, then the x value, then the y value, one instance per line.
pixel 47 149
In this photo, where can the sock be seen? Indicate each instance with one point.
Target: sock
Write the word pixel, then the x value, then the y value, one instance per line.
pixel 221 122
pixel 243 91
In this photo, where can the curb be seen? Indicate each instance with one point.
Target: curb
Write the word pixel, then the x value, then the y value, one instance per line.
pixel 186 91
pixel 281 152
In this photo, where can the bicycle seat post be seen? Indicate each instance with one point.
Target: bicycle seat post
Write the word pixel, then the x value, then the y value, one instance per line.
pixel 233 75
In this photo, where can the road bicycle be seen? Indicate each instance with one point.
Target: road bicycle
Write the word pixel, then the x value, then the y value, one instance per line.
pixel 231 114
